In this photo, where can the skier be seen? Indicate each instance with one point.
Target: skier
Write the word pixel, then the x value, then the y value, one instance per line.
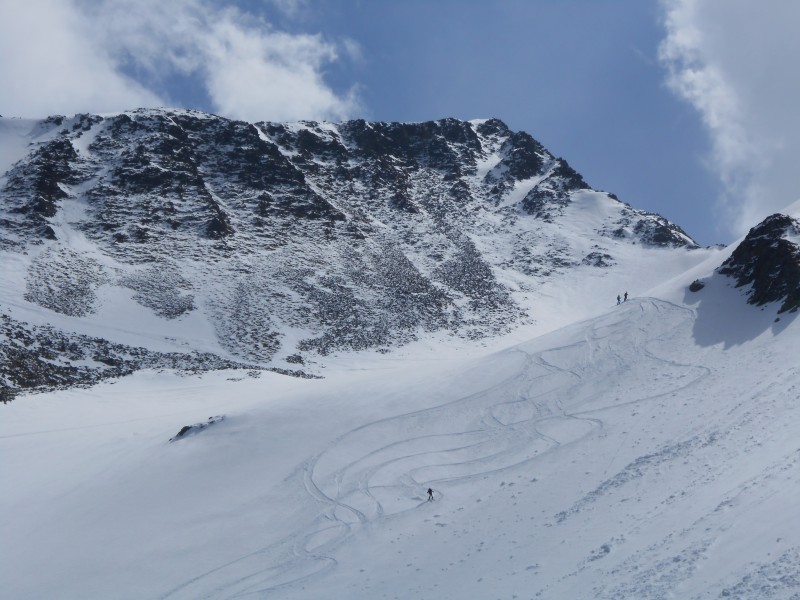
pixel 430 495
pixel 617 298
pixel 626 296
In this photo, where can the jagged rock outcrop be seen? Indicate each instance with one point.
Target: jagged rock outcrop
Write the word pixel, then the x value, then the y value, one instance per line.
pixel 768 260
pixel 44 357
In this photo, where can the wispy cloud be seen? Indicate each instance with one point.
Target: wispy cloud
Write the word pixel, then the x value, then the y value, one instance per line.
pixel 734 61
pixel 81 55
pixel 51 64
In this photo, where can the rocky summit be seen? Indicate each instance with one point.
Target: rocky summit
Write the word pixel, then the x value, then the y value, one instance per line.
pixel 288 242
pixel 768 260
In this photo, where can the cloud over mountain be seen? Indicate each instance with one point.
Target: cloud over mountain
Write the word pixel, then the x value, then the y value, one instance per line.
pixel 729 59
pixel 118 54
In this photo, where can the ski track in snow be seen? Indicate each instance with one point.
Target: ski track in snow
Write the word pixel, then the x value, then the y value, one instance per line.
pixel 546 407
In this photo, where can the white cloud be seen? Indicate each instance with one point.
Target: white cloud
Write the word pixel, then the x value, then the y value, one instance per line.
pixel 240 62
pixel 51 66
pixel 110 55
pixel 734 61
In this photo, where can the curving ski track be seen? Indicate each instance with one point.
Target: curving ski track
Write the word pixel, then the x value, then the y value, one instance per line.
pixel 550 403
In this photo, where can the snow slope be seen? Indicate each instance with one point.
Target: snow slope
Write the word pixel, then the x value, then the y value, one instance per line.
pixel 647 452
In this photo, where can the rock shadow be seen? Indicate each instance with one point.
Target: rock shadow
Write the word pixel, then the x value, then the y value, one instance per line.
pixel 724 316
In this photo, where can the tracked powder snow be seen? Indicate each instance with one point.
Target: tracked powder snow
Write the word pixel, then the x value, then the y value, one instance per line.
pixel 639 454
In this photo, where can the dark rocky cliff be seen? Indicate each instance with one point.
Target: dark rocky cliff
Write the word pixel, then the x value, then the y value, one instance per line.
pixel 768 260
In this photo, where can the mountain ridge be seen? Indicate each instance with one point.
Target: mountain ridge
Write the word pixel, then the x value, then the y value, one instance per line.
pixel 295 241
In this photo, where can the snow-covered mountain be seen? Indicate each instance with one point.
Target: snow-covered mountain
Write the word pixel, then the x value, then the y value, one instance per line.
pixel 182 237
pixel 577 449
pixel 648 452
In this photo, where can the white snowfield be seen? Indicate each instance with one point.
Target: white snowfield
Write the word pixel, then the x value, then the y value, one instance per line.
pixel 648 452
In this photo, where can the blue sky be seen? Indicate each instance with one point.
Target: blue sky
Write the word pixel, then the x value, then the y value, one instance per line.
pixel 583 77
pixel 681 107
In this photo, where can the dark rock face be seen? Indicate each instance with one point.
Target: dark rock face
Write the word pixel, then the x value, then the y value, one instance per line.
pixel 598 259
pixel 548 199
pixel 660 232
pixel 188 430
pixel 359 235
pixel 44 358
pixel 651 229
pixel 34 187
pixel 770 262
pixel 696 286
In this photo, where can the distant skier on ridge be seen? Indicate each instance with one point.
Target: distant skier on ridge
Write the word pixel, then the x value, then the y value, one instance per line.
pixel 618 299
pixel 626 297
